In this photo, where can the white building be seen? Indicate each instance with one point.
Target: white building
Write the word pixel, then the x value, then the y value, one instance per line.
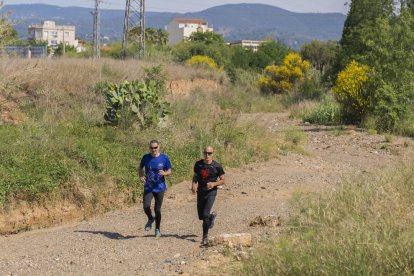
pixel 53 34
pixel 250 44
pixel 181 28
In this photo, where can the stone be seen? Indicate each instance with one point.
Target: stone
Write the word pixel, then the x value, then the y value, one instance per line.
pixel 266 221
pixel 233 240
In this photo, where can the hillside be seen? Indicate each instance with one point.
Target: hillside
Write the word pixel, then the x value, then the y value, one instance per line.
pixel 237 21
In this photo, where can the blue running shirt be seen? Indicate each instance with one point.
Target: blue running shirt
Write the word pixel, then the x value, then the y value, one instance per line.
pixel 154 182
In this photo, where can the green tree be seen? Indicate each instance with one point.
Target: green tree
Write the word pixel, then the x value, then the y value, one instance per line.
pixel 153 36
pixel 270 53
pixel 320 53
pixel 383 39
pixel 67 50
pixel 362 14
pixel 242 58
pixel 8 34
pixel 207 38
pixel 183 51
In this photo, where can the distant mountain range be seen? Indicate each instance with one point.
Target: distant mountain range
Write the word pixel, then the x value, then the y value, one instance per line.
pixel 235 22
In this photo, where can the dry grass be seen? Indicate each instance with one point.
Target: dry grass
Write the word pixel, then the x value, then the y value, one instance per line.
pixel 363 227
pixel 64 88
pixel 298 110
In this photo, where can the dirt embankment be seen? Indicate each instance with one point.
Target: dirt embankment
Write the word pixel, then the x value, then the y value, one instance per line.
pixel 179 88
pixel 116 243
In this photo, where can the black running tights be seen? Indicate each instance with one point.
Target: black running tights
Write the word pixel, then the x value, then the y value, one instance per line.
pixel 205 203
pixel 157 208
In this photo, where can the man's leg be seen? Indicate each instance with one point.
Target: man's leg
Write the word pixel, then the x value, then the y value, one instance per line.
pixel 157 208
pixel 208 205
pixel 200 204
pixel 147 209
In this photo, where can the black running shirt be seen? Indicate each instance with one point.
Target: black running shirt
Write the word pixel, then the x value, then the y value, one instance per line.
pixel 207 173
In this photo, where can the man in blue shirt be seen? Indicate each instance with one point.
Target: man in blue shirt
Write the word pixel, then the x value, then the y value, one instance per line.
pixel 156 166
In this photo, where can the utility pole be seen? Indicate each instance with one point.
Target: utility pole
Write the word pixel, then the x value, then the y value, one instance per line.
pixel 134 19
pixel 96 30
pixel 64 43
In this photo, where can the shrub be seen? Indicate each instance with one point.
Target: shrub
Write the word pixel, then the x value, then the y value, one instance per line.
pixel 351 90
pixel 281 79
pixel 136 101
pixel 325 113
pixel 203 61
pixel 156 74
pixel 311 87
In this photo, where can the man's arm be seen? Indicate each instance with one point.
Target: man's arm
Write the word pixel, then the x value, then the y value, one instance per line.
pixel 211 185
pixel 165 173
pixel 194 184
pixel 141 174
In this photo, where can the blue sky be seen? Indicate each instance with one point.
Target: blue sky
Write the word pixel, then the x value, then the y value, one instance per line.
pixel 193 5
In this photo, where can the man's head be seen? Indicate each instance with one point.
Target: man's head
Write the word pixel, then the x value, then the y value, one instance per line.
pixel 154 147
pixel 208 153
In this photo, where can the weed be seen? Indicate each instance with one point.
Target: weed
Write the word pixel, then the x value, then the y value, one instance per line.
pixel 372 131
pixel 295 136
pixel 388 137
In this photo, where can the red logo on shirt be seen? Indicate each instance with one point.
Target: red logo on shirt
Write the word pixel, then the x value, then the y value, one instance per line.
pixel 204 173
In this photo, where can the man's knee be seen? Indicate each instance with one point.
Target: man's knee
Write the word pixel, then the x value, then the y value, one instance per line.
pixel 157 210
pixel 147 205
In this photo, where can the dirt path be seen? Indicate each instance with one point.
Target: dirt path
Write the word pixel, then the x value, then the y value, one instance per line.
pixel 116 243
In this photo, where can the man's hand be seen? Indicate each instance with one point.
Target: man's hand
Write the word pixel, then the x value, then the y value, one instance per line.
pixel 210 185
pixel 142 178
pixel 162 173
pixel 194 188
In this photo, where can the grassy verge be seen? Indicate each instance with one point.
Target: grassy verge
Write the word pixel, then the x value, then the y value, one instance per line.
pixel 362 228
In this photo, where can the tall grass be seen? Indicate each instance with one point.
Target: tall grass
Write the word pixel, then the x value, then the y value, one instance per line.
pixel 365 227
pixel 246 97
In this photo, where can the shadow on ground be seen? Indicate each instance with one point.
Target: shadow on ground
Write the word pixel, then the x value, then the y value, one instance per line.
pixel 181 237
pixel 109 235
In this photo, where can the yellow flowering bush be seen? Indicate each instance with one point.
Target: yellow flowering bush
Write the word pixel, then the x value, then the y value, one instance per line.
pixel 280 79
pixel 351 88
pixel 202 61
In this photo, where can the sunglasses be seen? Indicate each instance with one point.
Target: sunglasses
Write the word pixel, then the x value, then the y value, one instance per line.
pixel 154 147
pixel 208 153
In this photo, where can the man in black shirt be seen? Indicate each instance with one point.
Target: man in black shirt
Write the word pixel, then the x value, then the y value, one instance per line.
pixel 208 174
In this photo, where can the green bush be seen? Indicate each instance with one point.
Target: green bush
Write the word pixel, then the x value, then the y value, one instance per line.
pixel 137 102
pixel 311 88
pixel 325 113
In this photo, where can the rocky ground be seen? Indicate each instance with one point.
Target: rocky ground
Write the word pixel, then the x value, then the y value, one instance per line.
pixel 253 201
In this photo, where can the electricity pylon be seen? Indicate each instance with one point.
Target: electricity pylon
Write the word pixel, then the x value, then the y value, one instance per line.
pixel 134 19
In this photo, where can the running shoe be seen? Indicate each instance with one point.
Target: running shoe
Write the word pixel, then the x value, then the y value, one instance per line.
pixel 204 242
pixel 148 225
pixel 157 233
pixel 213 216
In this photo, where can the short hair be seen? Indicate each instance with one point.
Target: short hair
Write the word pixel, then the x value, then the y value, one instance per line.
pixel 154 142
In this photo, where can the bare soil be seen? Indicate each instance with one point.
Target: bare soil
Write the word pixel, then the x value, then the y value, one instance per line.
pixel 116 243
